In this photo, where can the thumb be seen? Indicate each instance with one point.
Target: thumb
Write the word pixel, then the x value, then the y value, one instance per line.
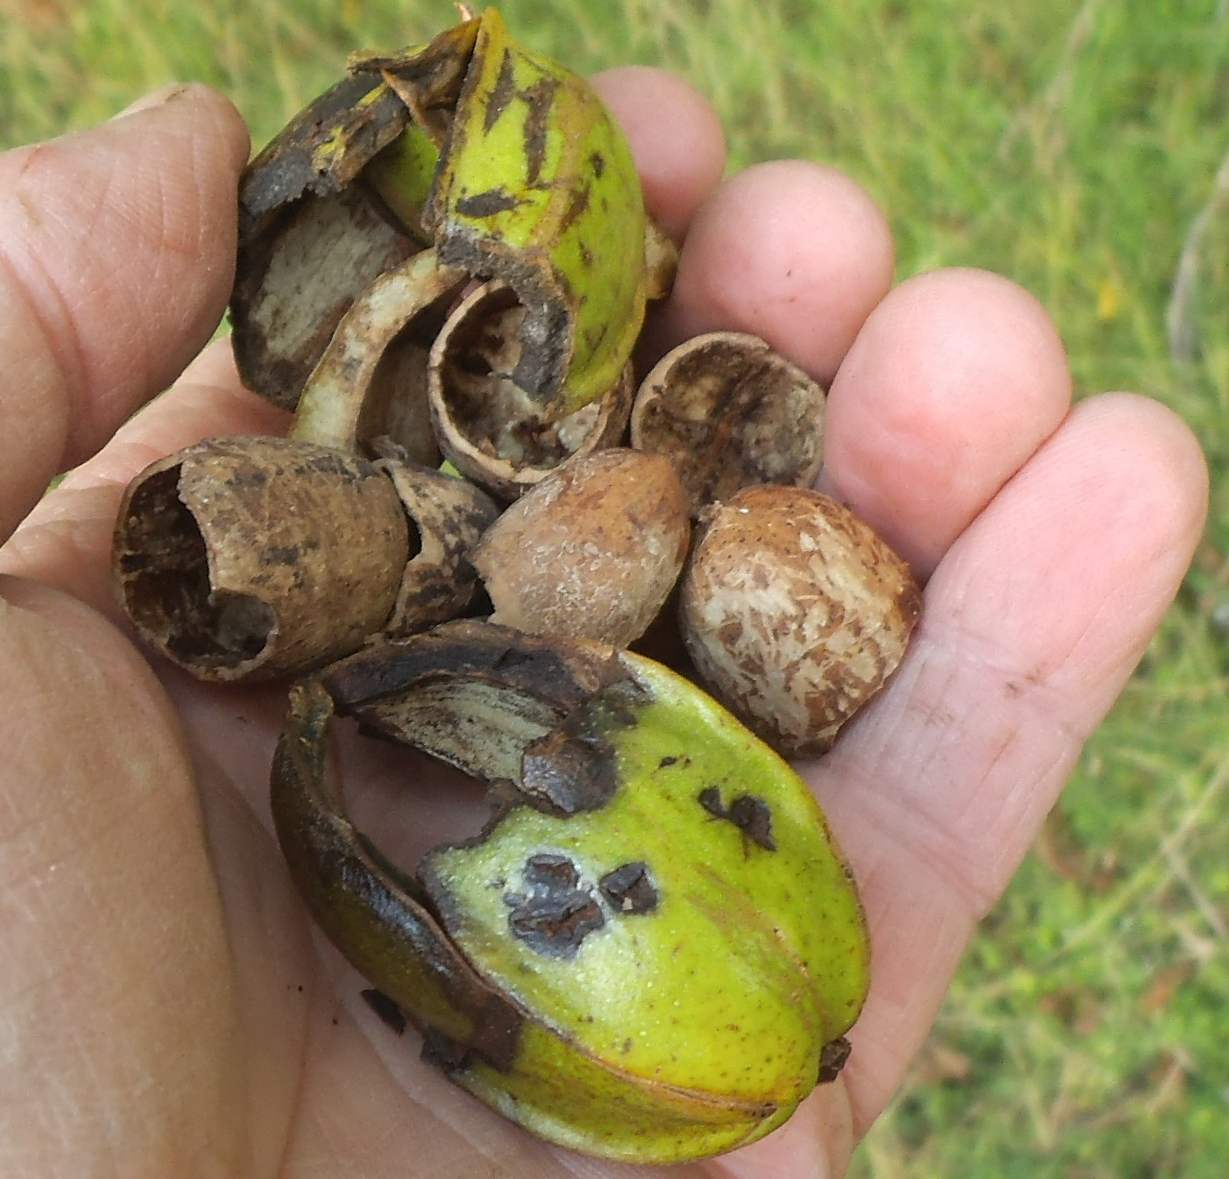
pixel 116 256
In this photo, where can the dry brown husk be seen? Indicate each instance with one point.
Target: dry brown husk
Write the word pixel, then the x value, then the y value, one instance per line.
pixel 312 234
pixel 293 286
pixel 448 516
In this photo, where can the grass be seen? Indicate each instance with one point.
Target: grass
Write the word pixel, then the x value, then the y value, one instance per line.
pixel 1077 148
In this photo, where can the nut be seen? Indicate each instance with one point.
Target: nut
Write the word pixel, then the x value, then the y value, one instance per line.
pixel 795 613
pixel 248 558
pixel 569 966
pixel 245 558
pixel 591 552
pixel 731 413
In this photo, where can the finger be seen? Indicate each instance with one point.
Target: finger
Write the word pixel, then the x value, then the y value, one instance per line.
pixel 675 136
pixel 116 252
pixel 792 252
pixel 213 365
pixel 955 379
pixel 66 541
pixel 816 1142
pixel 1031 625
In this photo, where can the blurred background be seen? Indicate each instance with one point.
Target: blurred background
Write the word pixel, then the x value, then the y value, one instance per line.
pixel 1081 149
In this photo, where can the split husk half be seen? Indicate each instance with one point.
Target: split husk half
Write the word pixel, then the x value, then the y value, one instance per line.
pixel 502 160
pixel 568 965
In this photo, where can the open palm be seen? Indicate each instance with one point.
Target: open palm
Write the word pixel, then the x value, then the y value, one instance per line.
pixel 167 1008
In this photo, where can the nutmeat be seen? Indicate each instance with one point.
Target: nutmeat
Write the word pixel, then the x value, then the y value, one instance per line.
pixel 794 612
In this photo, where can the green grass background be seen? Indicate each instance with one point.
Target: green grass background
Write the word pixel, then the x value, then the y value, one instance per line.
pixel 1083 150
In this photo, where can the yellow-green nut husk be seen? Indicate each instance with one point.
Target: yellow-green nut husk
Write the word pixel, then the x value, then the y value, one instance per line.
pixel 569 967
pixel 538 188
pixel 502 160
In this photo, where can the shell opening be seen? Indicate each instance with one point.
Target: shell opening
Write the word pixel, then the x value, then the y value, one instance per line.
pixel 485 406
pixel 167 587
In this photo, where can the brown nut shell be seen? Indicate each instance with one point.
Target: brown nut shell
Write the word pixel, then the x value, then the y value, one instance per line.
pixel 372 378
pixel 488 428
pixel 795 613
pixel 591 552
pixel 447 517
pixel 661 261
pixel 248 558
pixel 731 413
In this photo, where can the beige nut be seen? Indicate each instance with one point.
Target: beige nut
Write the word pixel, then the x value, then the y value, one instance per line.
pixel 591 552
pixel 795 613
pixel 731 413
pixel 487 427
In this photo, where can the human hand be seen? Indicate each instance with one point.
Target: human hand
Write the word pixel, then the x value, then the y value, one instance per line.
pixel 168 1009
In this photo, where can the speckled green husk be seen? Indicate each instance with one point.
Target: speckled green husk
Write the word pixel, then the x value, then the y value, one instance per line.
pixel 539 184
pixel 504 161
pixel 663 1025
pixel 536 185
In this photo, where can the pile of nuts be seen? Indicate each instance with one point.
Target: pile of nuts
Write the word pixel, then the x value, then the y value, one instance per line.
pixel 446 257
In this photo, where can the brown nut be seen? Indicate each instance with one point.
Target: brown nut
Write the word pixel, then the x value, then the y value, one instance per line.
pixel 591 552
pixel 731 413
pixel 490 429
pixel 795 613
pixel 248 558
pixel 245 558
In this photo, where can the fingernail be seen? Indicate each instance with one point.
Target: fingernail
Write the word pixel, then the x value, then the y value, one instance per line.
pixel 154 98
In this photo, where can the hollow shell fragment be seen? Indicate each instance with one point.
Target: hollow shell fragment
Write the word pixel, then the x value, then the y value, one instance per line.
pixel 248 558
pixel 488 427
pixel 243 558
pixel 730 412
